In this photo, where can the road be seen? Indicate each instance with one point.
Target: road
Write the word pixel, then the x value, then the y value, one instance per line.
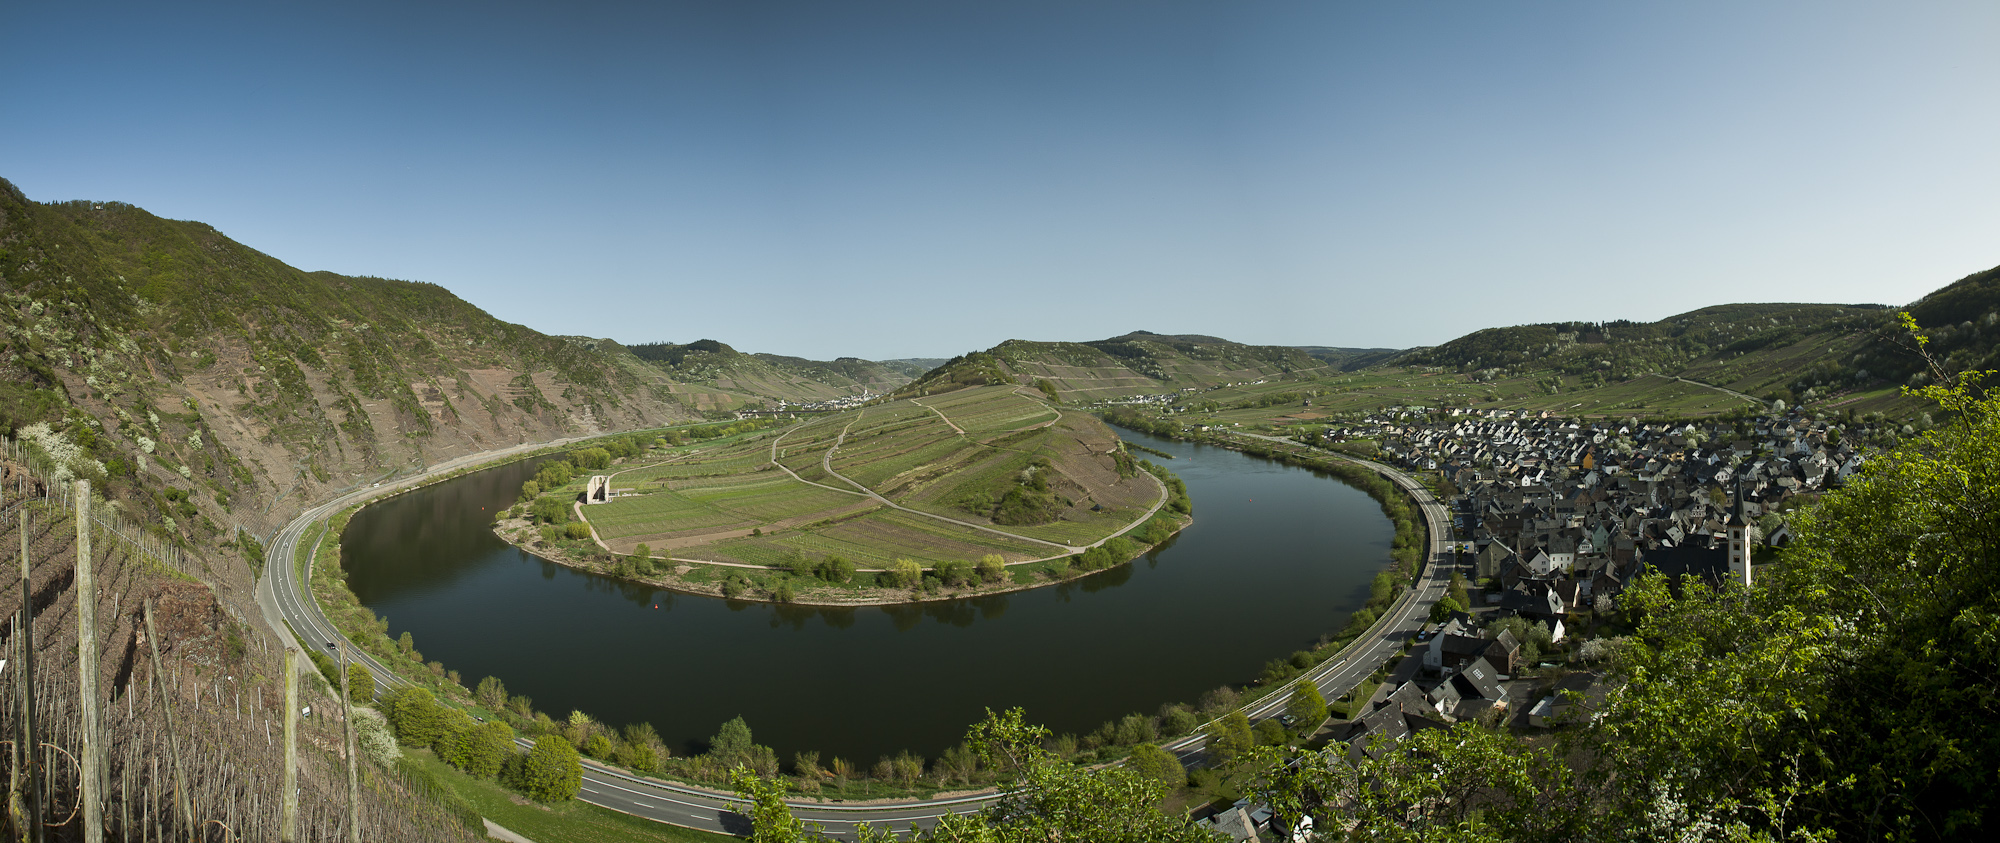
pixel 1383 641
pixel 282 599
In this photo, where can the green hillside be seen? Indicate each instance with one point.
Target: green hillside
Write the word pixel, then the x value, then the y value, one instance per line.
pixel 708 375
pixel 1139 363
pixel 174 357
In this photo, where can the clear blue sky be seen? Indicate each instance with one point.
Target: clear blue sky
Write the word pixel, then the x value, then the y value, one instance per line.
pixel 892 179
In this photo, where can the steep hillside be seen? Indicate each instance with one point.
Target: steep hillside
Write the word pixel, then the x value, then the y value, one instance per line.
pixel 1350 359
pixel 198 380
pixel 1138 363
pixel 711 376
pixel 1789 351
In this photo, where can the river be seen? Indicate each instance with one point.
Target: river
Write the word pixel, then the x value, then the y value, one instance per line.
pixel 1277 556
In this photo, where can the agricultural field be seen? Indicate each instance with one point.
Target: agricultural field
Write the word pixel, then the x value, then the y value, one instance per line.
pixel 952 458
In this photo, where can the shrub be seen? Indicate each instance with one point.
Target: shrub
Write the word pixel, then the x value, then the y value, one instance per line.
pixel 576 530
pixel 551 772
pixel 955 572
pixel 992 567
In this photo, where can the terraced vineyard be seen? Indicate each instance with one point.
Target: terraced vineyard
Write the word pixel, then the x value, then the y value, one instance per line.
pixel 916 479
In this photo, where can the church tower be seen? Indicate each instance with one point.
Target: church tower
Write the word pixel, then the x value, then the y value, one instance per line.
pixel 1739 541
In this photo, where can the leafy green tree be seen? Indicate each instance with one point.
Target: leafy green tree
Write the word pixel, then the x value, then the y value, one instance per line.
pixel 483 749
pixel 416 716
pixel 992 568
pixel 905 573
pixel 1177 720
pixel 1271 733
pixel 551 772
pixel 771 820
pixel 1050 799
pixel 1307 707
pixel 732 743
pixel 955 572
pixel 1230 738
pixel 1134 729
pixel 1151 761
pixel 530 490
pixel 491 693
pixel 360 683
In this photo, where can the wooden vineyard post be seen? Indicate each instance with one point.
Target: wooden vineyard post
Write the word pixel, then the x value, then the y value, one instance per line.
pixel 30 738
pixel 91 775
pixel 353 768
pixel 181 806
pixel 288 826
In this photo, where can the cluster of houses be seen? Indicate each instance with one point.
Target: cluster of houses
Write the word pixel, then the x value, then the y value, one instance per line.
pixel 1561 515
pixel 1569 511
pixel 844 402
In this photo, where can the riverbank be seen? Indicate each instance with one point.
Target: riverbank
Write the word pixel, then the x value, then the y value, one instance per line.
pixel 813 583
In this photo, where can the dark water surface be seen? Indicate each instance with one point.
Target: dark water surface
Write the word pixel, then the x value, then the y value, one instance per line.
pixel 1277 555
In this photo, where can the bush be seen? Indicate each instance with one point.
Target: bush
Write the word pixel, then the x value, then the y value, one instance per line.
pixel 992 567
pixel 1177 720
pixel 955 573
pixel 551 772
pixel 1158 764
pixel 905 573
pixel 415 715
pixel 576 530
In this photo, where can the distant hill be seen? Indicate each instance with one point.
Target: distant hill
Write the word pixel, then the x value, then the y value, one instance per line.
pixel 1137 363
pixel 711 376
pixel 176 357
pixel 1757 349
pixel 1350 359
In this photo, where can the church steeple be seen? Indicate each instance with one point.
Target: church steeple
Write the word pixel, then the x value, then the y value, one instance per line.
pixel 1739 540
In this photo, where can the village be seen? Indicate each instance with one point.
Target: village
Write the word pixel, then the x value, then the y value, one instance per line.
pixel 1554 518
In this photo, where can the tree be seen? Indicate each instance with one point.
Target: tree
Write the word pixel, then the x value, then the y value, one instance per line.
pixel 1151 761
pixel 954 572
pixel 731 744
pixel 905 573
pixel 1229 738
pixel 1271 733
pixel 415 715
pixel 992 568
pixel 484 748
pixel 551 772
pixel 1307 707
pixel 1050 799
pixel 771 820
pixel 1177 720
pixel 492 693
pixel 360 683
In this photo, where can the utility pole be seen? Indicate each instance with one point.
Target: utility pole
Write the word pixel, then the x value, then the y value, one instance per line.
pixel 288 829
pixel 86 669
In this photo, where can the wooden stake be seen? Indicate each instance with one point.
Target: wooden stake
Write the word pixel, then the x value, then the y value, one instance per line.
pixel 92 777
pixel 30 737
pixel 288 826
pixel 353 771
pixel 173 730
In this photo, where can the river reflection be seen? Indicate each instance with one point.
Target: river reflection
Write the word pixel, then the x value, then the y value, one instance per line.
pixel 1277 557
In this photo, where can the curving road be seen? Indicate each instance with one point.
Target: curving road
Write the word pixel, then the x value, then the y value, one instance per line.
pixel 283 600
pixel 1383 641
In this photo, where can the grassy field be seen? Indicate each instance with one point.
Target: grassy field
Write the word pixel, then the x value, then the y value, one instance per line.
pixel 706 496
pixel 569 822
